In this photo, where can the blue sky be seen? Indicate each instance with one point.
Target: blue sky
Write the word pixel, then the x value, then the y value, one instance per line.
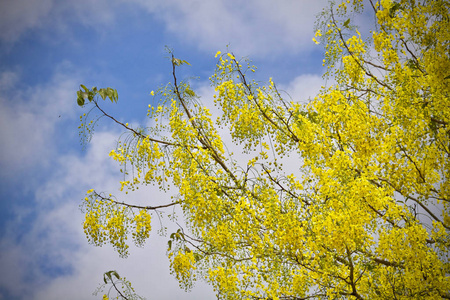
pixel 48 48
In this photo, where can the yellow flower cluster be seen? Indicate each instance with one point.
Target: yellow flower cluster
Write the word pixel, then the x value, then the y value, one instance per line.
pixel 142 222
pixel 106 221
pixel 182 264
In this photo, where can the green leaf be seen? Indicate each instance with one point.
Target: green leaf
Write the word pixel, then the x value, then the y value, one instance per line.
pixel 80 101
pixel 176 61
pixel 185 62
pixel 179 62
pixel 103 93
pixel 81 96
pixel 197 257
pixel 170 245
pixel 411 64
pixel 108 275
pixel 180 235
pixel 116 274
pixel 105 276
pixel 115 96
pixel 394 9
pixel 346 23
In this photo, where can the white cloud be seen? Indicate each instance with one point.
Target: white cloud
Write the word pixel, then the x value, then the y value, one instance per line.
pixel 56 241
pixel 8 79
pixel 256 27
pixel 19 16
pixel 13 269
pixel 303 88
pixel 28 117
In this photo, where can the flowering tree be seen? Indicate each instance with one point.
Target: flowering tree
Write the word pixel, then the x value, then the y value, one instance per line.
pixel 363 208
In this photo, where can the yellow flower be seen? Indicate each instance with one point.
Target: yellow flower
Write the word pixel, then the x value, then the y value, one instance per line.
pixel 230 56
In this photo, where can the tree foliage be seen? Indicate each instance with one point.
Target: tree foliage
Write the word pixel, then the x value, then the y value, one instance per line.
pixel 347 196
pixel 120 288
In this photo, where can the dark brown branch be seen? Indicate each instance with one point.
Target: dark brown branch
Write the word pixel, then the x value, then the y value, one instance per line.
pixel 136 206
pixel 118 291
pixel 415 200
pixel 439 121
pixel 414 163
pixel 201 135
pixel 205 252
pixel 292 297
pixel 282 187
pixel 381 261
pixel 354 58
pixel 374 65
pixel 131 129
pixel 263 112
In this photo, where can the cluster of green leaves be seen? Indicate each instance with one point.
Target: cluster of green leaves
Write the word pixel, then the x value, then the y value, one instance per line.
pixel 119 288
pixel 347 196
pixel 89 94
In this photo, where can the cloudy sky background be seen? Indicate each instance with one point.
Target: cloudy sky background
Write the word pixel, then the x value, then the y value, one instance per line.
pixel 48 48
